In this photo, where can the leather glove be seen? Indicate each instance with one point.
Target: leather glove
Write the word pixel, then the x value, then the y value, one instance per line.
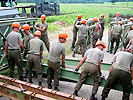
pixel 132 82
pixel 76 70
pixel 63 65
pixel 100 73
pixel 6 56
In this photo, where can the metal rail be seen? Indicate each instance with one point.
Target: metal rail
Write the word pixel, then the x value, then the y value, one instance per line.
pixel 67 74
pixel 23 20
pixel 19 90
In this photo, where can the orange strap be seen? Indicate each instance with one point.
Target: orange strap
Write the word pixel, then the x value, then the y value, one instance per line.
pixel 98 27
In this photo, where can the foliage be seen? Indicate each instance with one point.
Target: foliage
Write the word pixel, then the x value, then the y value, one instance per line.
pixel 87 11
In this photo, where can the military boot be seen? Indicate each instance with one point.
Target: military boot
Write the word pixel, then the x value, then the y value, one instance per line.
pixel 56 88
pixel 75 93
pixel 103 98
pixel 21 78
pixel 73 55
pixel 49 86
pixel 40 83
pixel 93 97
pixel 72 47
pixel 30 81
pixel 82 55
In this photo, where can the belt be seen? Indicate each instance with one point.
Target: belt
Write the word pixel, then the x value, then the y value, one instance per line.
pixel 13 49
pixel 34 54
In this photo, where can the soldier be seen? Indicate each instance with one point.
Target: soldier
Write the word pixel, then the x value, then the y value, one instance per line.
pixel 96 31
pixel 35 47
pixel 56 49
pixel 75 30
pixel 27 38
pixel 129 37
pixel 102 22
pixel 131 21
pixel 93 57
pixel 117 18
pixel 43 26
pixel 82 36
pixel 12 50
pixel 115 36
pixel 122 69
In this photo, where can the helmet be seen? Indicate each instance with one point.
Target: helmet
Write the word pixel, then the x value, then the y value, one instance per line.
pixel 118 14
pixel 43 17
pixel 100 43
pixel 120 22
pixel 26 27
pixel 37 33
pixel 63 35
pixel 79 16
pixel 83 21
pixel 128 50
pixel 16 24
pixel 95 19
pixel 102 15
pixel 131 27
pixel 131 19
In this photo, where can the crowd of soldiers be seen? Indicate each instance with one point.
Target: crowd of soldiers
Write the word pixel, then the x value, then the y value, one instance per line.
pixel 33 47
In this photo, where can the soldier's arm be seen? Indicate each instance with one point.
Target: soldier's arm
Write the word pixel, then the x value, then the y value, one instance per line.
pixel 63 60
pixel 81 62
pixel 36 26
pixel 111 67
pixel 41 53
pixel 6 47
pixel 43 29
pixel 21 45
pixel 132 74
pixel 77 25
pixel 99 65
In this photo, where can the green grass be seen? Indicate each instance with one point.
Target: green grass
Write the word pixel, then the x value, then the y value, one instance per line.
pixel 87 10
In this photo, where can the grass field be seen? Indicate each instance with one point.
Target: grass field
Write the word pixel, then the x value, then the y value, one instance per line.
pixel 88 11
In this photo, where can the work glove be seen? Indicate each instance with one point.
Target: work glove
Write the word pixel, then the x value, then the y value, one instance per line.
pixel 63 65
pixel 100 73
pixel 76 70
pixel 132 82
pixel 6 56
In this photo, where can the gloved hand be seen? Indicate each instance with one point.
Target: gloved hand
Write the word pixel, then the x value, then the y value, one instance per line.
pixel 102 77
pixel 132 82
pixel 6 56
pixel 76 70
pixel 63 65
pixel 100 73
